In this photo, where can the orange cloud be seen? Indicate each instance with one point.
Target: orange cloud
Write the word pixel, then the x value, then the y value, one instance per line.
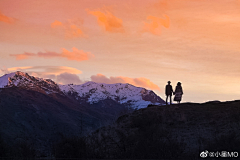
pixel 70 29
pixel 73 31
pixel 56 23
pixel 75 55
pixel 6 19
pixel 140 82
pixel 154 26
pixel 23 56
pixel 107 20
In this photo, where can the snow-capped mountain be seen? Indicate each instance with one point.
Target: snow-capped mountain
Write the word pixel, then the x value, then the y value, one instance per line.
pixel 21 79
pixel 128 94
pixel 90 92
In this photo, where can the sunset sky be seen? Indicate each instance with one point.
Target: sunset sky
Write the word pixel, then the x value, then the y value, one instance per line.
pixel 144 43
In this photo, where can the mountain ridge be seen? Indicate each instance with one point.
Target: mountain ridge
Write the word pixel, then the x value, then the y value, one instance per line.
pixel 90 92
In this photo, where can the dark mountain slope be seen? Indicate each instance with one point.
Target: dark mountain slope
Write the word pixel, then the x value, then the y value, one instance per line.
pixel 41 119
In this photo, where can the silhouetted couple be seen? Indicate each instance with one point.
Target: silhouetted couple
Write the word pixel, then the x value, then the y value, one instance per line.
pixel 178 92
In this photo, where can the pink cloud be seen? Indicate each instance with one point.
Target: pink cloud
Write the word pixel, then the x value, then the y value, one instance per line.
pixel 75 55
pixel 63 78
pixel 59 74
pixel 46 70
pixel 67 78
pixel 140 82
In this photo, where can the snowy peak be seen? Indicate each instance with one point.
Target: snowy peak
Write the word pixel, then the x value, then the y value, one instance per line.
pixel 4 79
pixel 23 80
pixel 128 94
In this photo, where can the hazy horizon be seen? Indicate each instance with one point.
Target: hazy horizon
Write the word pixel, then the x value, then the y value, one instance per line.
pixel 144 43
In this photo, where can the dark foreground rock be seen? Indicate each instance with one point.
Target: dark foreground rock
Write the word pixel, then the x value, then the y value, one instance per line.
pixel 171 132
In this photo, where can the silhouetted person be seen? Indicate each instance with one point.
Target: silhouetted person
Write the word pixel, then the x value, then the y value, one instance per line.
pixel 178 93
pixel 168 92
